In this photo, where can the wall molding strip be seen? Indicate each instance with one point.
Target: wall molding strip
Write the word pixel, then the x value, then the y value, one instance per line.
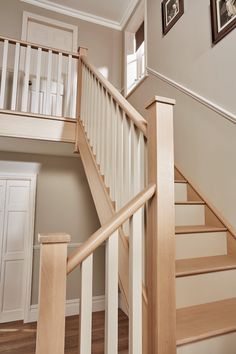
pixel 65 10
pixel 209 104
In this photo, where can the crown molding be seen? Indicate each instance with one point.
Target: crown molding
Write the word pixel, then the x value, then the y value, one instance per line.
pixel 65 10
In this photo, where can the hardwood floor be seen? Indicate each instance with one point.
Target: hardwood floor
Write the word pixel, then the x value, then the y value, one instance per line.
pixel 19 338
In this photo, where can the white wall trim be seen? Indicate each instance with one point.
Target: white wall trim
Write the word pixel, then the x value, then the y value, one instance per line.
pixel 65 10
pixel 27 16
pixel 128 13
pixel 72 308
pixel 209 104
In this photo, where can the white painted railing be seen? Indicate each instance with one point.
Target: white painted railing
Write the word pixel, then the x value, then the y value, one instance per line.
pixel 36 79
pixel 114 134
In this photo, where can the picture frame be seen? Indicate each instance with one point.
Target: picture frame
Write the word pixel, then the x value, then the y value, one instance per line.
pixel 223 18
pixel 172 10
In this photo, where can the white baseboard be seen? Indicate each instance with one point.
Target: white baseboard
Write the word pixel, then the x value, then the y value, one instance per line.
pixel 72 308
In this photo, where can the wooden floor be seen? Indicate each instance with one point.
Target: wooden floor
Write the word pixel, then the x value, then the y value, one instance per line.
pixel 19 338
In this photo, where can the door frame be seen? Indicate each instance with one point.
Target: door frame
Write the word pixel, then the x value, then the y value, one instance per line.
pixel 47 20
pixel 32 178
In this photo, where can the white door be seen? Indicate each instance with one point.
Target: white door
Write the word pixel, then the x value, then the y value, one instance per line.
pixel 54 34
pixel 15 232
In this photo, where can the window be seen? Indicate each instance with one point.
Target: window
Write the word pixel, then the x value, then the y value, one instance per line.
pixel 135 50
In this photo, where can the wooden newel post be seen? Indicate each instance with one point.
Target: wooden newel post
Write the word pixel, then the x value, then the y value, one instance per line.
pixel 52 294
pixel 83 52
pixel 161 229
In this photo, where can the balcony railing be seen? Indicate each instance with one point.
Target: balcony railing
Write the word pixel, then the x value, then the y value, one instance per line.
pixel 36 79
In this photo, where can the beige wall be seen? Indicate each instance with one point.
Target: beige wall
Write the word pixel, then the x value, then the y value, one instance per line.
pixel 187 56
pixel 63 204
pixel 104 44
pixel 205 142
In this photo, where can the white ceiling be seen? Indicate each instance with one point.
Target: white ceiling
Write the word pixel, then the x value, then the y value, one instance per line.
pixel 111 13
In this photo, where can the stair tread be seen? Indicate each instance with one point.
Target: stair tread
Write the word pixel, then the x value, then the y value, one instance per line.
pixel 205 321
pixel 198 229
pixel 192 202
pixel 193 266
pixel 180 181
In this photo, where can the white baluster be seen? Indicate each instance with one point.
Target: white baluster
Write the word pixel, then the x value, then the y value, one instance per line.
pixel 85 96
pixel 107 172
pixel 113 149
pixel 68 102
pixel 127 158
pixel 38 77
pixel 25 93
pixel 58 99
pixel 74 83
pixel 111 310
pixel 4 74
pixel 15 77
pixel 47 106
pixel 135 182
pixel 135 284
pixel 86 306
pixel 102 131
pixel 120 158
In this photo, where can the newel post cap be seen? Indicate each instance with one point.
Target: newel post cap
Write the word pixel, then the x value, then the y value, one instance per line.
pixel 159 99
pixel 54 238
pixel 83 51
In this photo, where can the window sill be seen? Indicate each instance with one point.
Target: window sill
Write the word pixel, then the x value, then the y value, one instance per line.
pixel 137 84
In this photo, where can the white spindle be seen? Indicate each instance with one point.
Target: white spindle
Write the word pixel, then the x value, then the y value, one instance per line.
pixel 15 77
pixel 135 284
pixel 108 141
pixel 85 96
pixel 25 93
pixel 4 74
pixel 58 99
pixel 38 77
pixel 68 105
pixel 127 158
pixel 135 161
pixel 103 131
pixel 113 118
pixel 111 320
pixel 74 83
pixel 47 106
pixel 120 158
pixel 86 306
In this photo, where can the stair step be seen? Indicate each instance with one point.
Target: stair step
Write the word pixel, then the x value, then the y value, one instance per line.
pixel 194 266
pixel 198 229
pixel 203 244
pixel 187 214
pixel 194 202
pixel 205 321
pixel 180 181
pixel 181 192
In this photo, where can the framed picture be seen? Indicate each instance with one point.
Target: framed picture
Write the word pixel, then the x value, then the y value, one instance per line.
pixel 223 17
pixel 172 10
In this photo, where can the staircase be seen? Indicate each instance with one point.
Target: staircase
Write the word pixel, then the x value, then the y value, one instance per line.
pixel 178 302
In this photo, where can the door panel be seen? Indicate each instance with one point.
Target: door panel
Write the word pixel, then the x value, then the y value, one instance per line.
pixel 13 262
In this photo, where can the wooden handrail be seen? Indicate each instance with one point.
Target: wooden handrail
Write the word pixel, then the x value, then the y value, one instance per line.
pixel 131 112
pixel 36 46
pixel 96 240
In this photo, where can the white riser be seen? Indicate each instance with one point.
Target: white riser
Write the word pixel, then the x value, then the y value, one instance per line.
pixel 201 245
pixel 224 344
pixel 181 192
pixel 205 288
pixel 189 215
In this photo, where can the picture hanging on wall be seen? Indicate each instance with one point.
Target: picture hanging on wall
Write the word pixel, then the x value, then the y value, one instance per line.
pixel 172 10
pixel 223 16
